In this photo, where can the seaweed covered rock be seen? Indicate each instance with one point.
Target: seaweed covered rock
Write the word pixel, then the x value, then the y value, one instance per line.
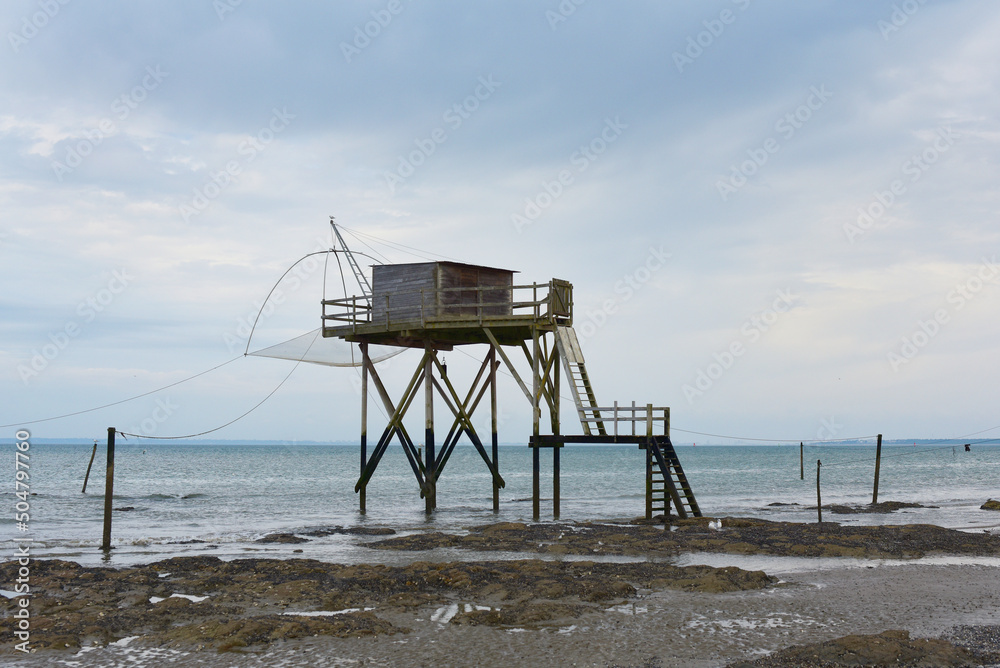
pixel 889 648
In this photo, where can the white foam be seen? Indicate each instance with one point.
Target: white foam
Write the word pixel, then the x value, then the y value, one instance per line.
pixel 780 564
pixel 190 597
pixel 777 620
pixel 326 613
pixel 445 614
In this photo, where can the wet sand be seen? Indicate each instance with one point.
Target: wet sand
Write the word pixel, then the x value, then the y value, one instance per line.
pixel 676 628
pixel 565 610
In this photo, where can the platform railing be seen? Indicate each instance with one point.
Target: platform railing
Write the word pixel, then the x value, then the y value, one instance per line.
pixel 646 415
pixel 538 302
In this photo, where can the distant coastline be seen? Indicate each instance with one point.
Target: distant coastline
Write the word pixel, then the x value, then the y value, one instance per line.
pixel 679 444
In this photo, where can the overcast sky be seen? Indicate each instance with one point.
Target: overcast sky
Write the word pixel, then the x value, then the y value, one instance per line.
pixel 780 218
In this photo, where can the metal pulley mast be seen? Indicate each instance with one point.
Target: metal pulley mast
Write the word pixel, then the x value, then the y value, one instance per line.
pixel 366 288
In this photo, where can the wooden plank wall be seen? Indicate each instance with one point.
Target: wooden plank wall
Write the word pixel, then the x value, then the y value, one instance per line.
pixel 403 282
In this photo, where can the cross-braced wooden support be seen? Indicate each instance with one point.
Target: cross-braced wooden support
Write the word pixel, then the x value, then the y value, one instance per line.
pixel 433 375
pixel 545 377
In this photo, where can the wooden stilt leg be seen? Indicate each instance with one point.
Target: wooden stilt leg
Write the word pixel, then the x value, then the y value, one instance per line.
pixel 535 419
pixel 430 500
pixel 362 493
pixel 493 428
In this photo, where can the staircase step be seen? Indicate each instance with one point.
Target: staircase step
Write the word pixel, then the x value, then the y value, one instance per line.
pixel 568 346
pixel 667 476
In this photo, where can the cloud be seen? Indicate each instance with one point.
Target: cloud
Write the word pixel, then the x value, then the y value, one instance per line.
pixel 202 134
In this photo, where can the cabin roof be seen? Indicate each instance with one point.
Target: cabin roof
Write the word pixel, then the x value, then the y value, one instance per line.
pixel 447 262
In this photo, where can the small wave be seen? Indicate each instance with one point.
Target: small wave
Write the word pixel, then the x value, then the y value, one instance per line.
pixel 327 613
pixel 191 597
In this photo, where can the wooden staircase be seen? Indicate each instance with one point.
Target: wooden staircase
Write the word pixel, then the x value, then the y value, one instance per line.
pixel 668 482
pixel 579 381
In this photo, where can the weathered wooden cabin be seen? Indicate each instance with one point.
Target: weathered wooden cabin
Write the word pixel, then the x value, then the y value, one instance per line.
pixel 434 290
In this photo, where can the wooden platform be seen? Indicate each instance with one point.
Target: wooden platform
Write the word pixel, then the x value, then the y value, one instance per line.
pixel 444 333
pixel 411 319
pixel 559 440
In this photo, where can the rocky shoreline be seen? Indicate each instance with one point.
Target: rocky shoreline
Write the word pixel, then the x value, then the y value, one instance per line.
pixel 889 648
pixel 209 603
pixel 736 536
pixel 206 604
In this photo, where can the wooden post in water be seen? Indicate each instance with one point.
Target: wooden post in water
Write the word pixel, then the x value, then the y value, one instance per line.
pixel 649 482
pixel 535 485
pixel 109 489
pixel 666 497
pixel 878 462
pixel 802 461
pixel 819 500
pixel 363 492
pixel 556 447
pixel 93 453
pixel 536 488
pixel 555 481
pixel 430 498
pixel 494 441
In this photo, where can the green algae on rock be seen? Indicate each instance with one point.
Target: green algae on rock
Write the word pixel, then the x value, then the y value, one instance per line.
pixel 209 603
pixel 737 536
pixel 889 648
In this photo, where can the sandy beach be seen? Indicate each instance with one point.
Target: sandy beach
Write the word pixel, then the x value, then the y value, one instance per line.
pixel 571 594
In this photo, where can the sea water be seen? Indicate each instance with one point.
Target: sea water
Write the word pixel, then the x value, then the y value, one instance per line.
pixel 178 499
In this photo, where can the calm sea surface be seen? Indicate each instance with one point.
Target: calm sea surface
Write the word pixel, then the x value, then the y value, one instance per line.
pixel 197 499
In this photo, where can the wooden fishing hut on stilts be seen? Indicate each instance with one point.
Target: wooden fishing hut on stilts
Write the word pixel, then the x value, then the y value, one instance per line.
pixel 435 306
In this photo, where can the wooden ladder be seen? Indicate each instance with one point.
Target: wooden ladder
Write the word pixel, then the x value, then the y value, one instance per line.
pixel 579 382
pixel 669 484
